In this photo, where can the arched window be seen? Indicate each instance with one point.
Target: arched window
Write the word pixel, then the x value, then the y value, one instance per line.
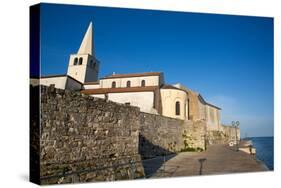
pixel 128 83
pixel 113 85
pixel 177 108
pixel 75 61
pixel 80 61
pixel 142 83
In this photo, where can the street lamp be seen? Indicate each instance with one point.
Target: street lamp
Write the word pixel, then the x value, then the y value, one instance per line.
pixel 235 125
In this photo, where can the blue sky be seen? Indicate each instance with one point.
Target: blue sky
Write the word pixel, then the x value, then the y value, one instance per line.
pixel 228 59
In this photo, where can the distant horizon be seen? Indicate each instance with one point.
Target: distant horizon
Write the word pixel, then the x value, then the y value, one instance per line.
pixel 257 137
pixel 228 59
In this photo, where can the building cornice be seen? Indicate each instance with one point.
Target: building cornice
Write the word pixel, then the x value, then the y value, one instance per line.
pixel 132 75
pixel 119 90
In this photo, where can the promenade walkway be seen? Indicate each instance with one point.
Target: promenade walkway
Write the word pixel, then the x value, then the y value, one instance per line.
pixel 218 159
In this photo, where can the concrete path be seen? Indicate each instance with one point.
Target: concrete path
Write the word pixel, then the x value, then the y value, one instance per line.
pixel 218 159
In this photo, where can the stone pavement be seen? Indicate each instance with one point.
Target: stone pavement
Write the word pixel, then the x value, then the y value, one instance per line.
pixel 218 159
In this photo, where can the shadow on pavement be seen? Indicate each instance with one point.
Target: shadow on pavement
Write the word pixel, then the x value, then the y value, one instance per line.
pixel 153 156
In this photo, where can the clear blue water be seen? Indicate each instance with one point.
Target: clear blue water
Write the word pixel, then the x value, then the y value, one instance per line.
pixel 264 148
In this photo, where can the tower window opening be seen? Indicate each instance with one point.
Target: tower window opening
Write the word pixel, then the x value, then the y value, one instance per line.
pixel 80 61
pixel 75 61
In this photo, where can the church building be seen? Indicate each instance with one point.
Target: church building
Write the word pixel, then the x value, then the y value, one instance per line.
pixel 147 90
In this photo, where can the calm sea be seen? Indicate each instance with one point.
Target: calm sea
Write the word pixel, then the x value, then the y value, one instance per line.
pixel 264 148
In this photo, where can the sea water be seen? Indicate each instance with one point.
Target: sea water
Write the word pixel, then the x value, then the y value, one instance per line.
pixel 264 150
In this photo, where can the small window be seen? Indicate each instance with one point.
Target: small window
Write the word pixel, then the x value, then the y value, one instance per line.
pixel 113 85
pixel 75 61
pixel 128 83
pixel 177 108
pixel 80 61
pixel 143 83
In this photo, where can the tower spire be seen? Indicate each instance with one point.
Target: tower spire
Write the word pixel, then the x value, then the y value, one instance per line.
pixel 86 46
pixel 84 66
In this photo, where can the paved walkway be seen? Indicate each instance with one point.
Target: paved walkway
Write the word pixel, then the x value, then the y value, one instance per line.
pixel 218 159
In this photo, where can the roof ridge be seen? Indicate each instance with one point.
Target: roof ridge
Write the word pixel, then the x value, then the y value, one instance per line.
pixel 132 75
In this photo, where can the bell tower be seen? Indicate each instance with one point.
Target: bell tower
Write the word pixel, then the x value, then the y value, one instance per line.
pixel 84 66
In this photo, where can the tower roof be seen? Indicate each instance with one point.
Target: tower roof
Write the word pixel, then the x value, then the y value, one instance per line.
pixel 86 46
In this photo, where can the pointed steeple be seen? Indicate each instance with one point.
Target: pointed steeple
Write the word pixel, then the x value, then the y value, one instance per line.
pixel 86 46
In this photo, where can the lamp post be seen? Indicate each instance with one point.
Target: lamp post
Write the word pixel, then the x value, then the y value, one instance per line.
pixel 235 125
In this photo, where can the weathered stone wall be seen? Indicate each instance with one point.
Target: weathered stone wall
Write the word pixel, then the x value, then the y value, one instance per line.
pixel 83 138
pixel 34 141
pixel 216 137
pixel 161 135
pixel 224 136
pixel 194 135
pixel 87 139
pixel 231 133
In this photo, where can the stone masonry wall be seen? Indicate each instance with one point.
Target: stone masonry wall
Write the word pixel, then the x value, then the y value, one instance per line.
pixel 87 139
pixel 224 136
pixel 161 135
pixel 194 135
pixel 84 139
pixel 231 133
